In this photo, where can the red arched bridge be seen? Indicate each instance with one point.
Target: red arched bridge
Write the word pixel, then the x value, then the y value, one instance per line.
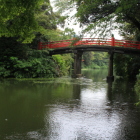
pixel 90 43
pixel 79 45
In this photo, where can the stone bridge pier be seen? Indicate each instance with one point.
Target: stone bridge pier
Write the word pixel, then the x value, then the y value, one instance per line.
pixel 77 64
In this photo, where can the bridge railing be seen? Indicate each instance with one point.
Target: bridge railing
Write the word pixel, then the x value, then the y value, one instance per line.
pixel 127 44
pixel 89 41
pixel 94 41
pixel 54 44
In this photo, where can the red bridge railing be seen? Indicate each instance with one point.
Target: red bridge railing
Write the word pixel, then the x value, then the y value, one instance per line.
pixel 89 41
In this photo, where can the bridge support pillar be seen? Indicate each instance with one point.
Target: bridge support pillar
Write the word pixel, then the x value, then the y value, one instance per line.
pixel 110 77
pixel 77 64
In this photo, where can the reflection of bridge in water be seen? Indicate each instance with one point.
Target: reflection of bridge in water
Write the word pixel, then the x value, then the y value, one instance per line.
pixel 80 45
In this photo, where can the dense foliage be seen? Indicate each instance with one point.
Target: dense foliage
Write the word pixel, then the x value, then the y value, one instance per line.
pixel 17 60
pixel 24 19
pixel 17 18
pixel 21 21
pixel 104 13
pixel 137 88
pixel 95 60
pixel 64 63
pixel 103 16
pixel 127 66
pixel 47 21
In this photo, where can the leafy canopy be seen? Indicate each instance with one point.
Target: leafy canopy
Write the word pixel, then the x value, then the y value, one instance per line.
pixel 104 13
pixel 101 15
pixel 17 18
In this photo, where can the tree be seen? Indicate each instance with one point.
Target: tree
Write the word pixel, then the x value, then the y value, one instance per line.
pixel 129 66
pixel 87 58
pixel 47 21
pixel 67 34
pixel 108 12
pixel 18 18
pixel 95 59
pixel 106 15
pixel 27 20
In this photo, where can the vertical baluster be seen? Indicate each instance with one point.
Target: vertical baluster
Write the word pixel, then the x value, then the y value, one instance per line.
pixel 40 46
pixel 112 40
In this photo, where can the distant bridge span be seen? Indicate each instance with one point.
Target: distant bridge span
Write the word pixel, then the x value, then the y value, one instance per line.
pixel 80 45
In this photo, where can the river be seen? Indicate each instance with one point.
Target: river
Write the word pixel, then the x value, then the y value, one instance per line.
pixel 85 108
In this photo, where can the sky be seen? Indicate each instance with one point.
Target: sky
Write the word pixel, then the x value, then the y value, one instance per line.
pixel 72 24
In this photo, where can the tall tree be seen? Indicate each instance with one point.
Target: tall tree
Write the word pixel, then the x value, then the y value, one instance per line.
pixel 18 18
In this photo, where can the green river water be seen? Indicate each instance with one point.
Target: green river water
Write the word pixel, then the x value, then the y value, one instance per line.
pixel 85 108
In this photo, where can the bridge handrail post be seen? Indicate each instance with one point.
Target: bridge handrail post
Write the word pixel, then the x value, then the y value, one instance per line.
pixel 112 41
pixel 39 45
pixel 138 47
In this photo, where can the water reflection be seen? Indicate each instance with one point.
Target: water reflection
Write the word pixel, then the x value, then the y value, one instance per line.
pixel 68 109
pixel 76 91
pixel 89 118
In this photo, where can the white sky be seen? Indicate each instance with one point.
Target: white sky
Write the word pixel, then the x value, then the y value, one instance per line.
pixel 77 29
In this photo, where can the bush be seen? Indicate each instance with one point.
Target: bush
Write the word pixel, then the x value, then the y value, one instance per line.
pixel 137 88
pixel 64 63
pixel 38 64
pixel 127 66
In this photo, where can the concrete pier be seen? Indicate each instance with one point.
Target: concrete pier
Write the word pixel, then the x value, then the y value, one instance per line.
pixel 77 64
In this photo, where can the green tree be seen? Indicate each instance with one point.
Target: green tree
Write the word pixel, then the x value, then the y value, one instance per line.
pixel 17 18
pixel 87 57
pixel 67 34
pixel 137 88
pixel 95 60
pixel 127 66
pixel 104 13
pixel 23 18
pixel 64 63
pixel 47 21
pixel 101 15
